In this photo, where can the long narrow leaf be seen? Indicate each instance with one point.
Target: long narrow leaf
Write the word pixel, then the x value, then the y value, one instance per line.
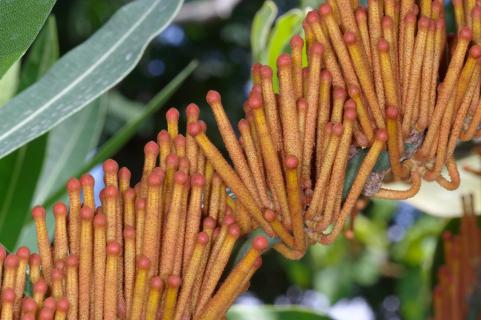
pixel 20 170
pixel 261 27
pixel 20 22
pixel 85 72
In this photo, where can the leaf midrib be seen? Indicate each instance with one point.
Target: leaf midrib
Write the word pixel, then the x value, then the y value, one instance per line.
pixel 39 110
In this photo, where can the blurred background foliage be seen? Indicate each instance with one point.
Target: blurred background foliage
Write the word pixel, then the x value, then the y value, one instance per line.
pixel 384 272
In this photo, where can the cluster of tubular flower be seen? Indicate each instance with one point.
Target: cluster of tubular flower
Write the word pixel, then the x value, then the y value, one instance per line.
pixel 379 83
pixel 156 250
pixel 457 286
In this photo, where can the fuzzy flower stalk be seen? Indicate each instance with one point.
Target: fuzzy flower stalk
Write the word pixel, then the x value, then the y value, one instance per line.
pixel 455 294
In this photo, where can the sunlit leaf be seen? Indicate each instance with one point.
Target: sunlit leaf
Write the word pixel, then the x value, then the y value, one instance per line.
pixel 261 26
pixel 9 83
pixel 20 170
pixel 20 23
pixel 84 73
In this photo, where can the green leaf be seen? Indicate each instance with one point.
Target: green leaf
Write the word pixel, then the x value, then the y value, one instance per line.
pixel 288 25
pixel 20 170
pixel 261 26
pixel 42 56
pixel 128 130
pixel 242 312
pixel 68 147
pixel 84 73
pixel 20 22
pixel 9 83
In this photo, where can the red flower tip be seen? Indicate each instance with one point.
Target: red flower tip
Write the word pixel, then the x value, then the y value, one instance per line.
pixel 151 148
pixel 349 38
pixel 234 230
pixel 269 215
pixel 56 275
pixel 337 129
pixel 361 13
pixel 312 17
pixel 8 295
pixel 475 51
pixel 228 219
pixel 60 209
pixel 194 128
pixel 383 45
pixel 172 160
pixel 339 93
pixel 302 104
pixel 197 180
pixel 291 162
pixel 410 17
pixel 46 314
pixel 86 213
pixel 284 60
pixel 87 180
pixel 202 238
pixel 255 101
pixel 266 72
pixel 260 243
pixel 180 177
pixel 72 261
pixel 40 286
pixel 73 185
pixel 23 253
pixel 63 305
pixel 50 303
pixel 349 112
pixel 11 261
pixel 317 48
pixel 209 223
pixel 392 112
pixel 297 42
pixel 129 232
pixel 124 174
pixel 325 9
pixel 140 203
pixel 110 165
pixel 156 283
pixel 386 22
pixel 172 115
pixel 424 22
pixel 381 134
pixel 34 259
pixel 38 212
pixel 113 248
pixel 163 137
pixel 212 97
pixel 466 33
pixel 110 192
pixel 326 76
pixel 192 110
pixel 154 179
pixel 174 281
pixel 28 305
pixel 143 262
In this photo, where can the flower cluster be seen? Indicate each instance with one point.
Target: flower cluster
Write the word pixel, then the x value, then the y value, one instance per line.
pixel 153 251
pixel 457 288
